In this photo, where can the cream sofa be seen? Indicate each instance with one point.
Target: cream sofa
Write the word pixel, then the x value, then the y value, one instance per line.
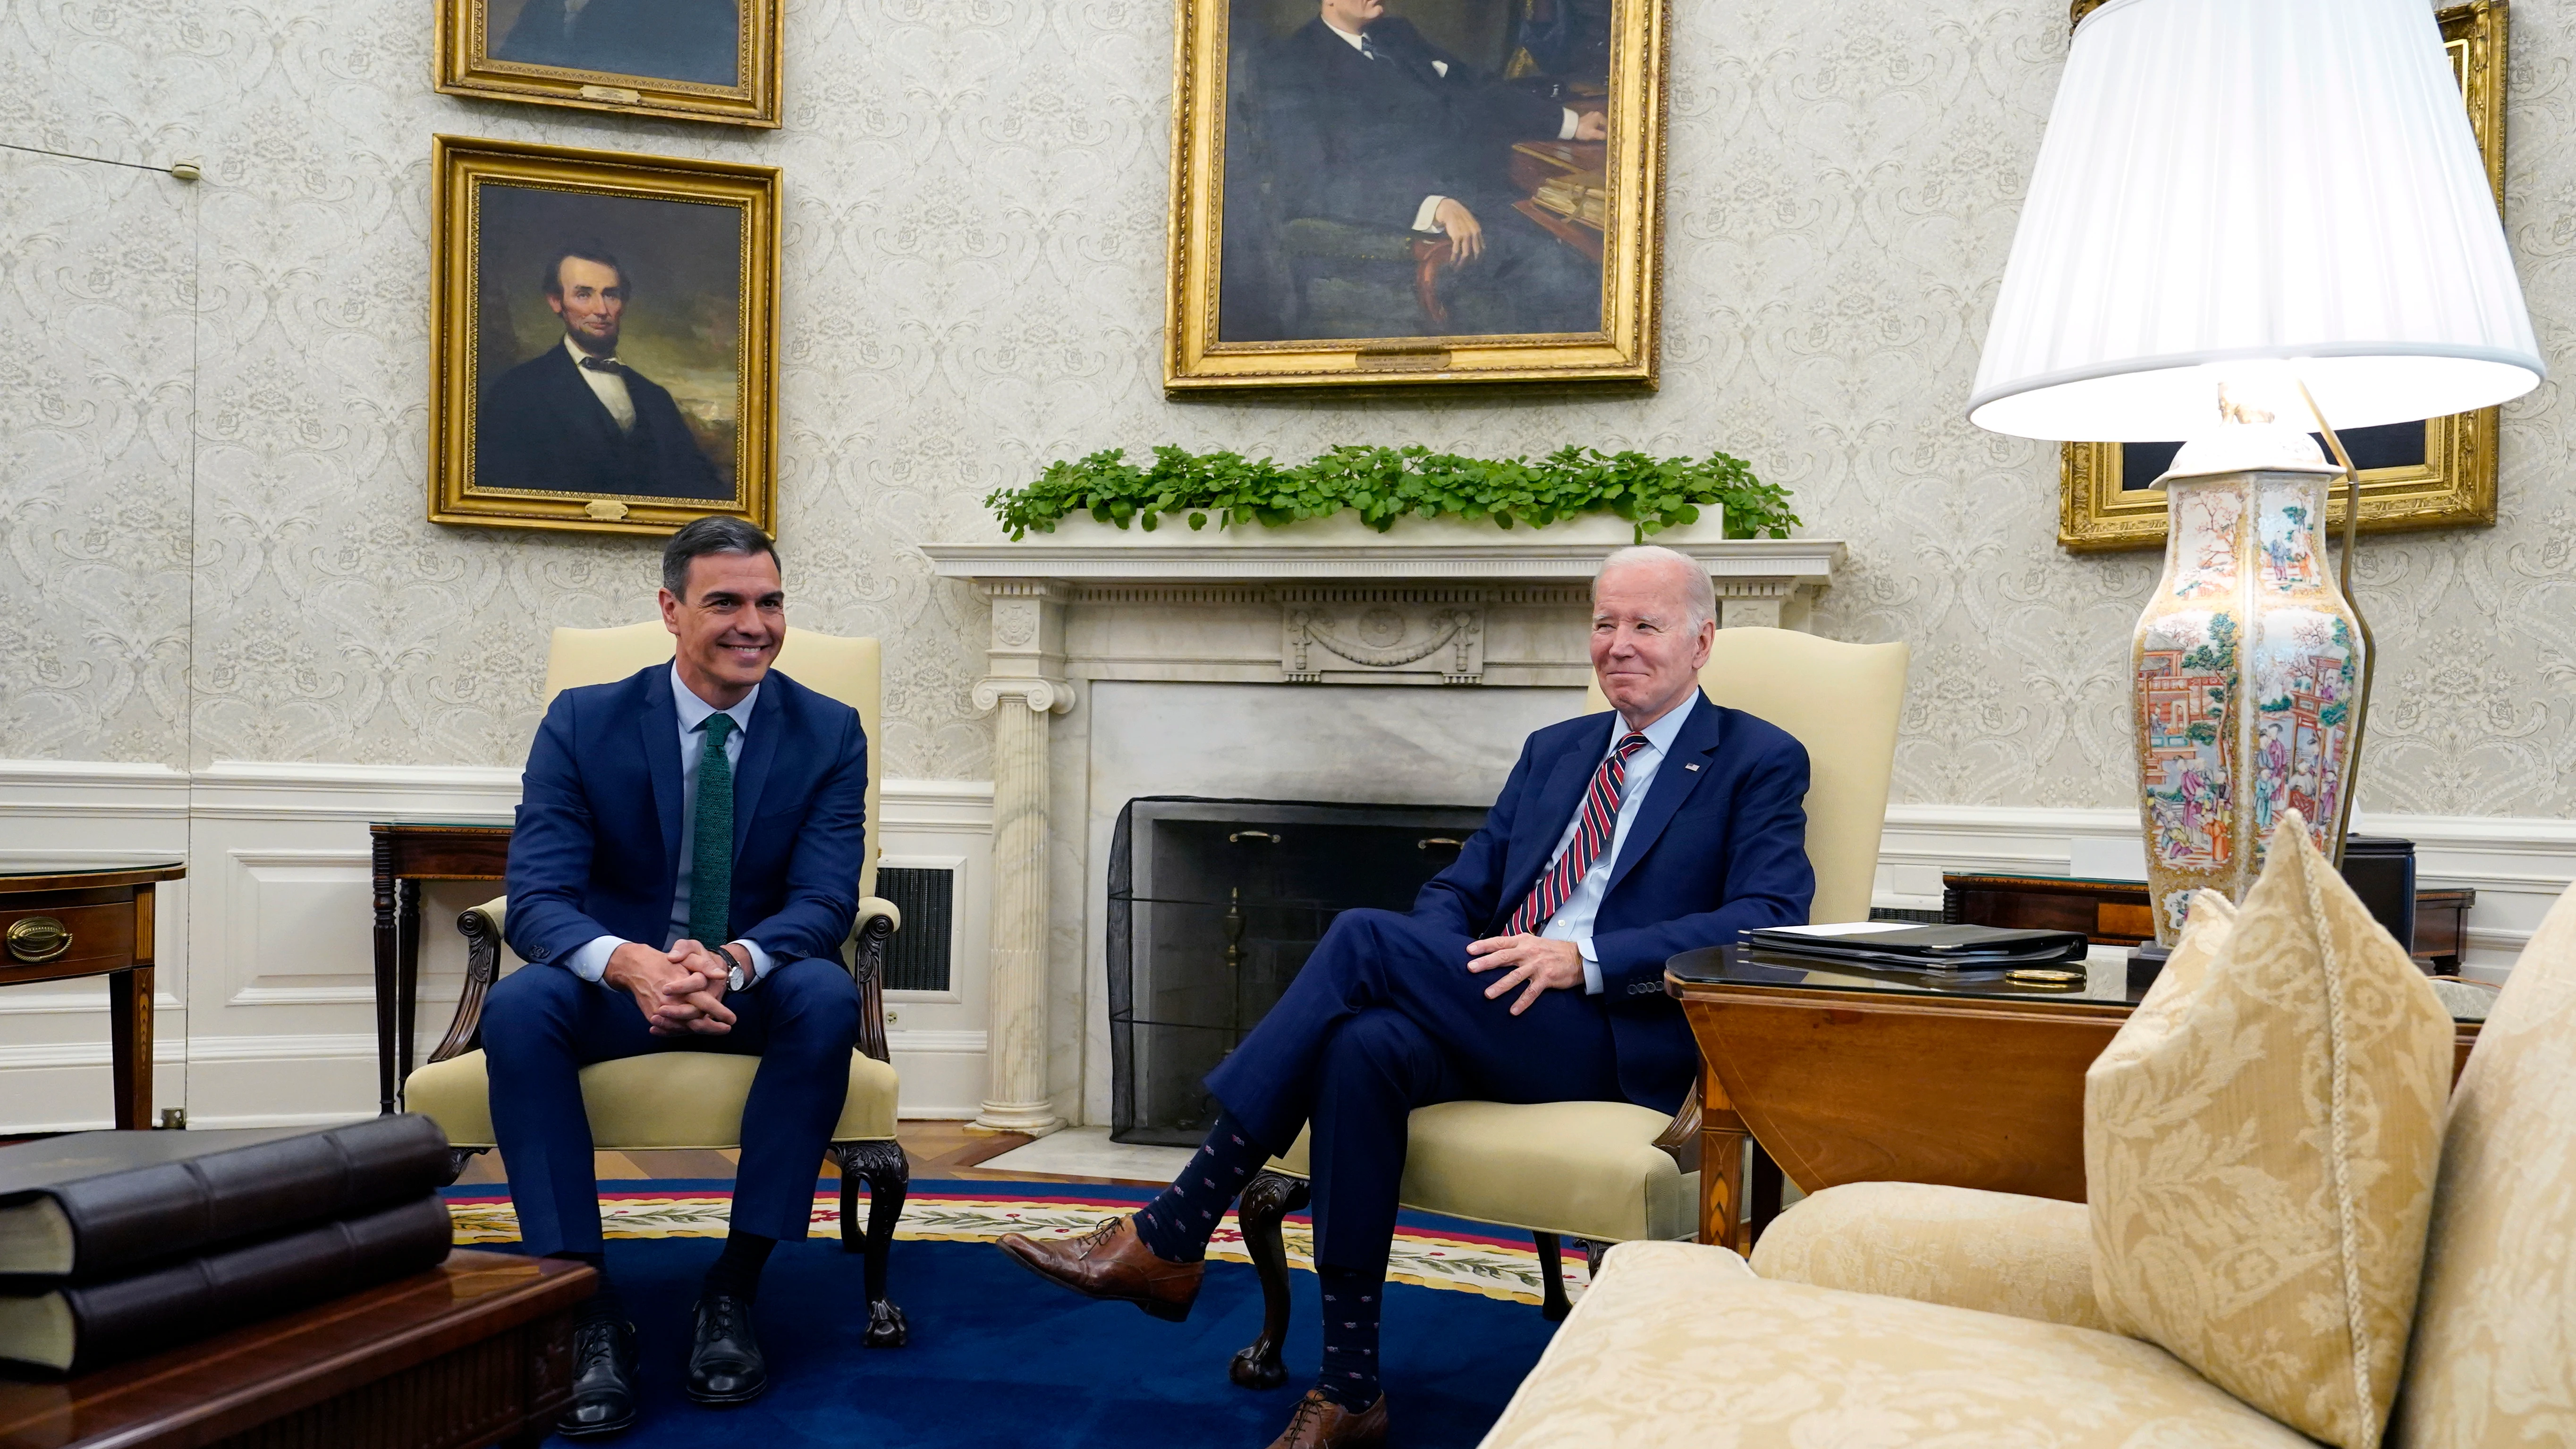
pixel 1893 1314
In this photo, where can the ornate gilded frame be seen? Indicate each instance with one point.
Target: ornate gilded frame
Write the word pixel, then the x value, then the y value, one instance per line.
pixel 464 66
pixel 1624 351
pixel 2456 483
pixel 460 167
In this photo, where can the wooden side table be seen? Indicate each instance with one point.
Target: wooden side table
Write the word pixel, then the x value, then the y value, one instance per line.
pixel 1848 1075
pixel 475 1352
pixel 407 853
pixel 60 923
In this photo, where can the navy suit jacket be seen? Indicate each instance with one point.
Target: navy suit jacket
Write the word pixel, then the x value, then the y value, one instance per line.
pixel 1714 851
pixel 542 428
pixel 596 851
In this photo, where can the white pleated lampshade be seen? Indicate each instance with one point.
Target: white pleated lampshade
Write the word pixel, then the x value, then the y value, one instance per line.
pixel 2227 181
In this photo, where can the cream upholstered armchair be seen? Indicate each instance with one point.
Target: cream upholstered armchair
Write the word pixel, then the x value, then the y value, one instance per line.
pixel 1610 1172
pixel 694 1099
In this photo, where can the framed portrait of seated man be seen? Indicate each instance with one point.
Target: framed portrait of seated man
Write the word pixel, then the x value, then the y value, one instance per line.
pixel 1372 192
pixel 603 333
pixel 697 60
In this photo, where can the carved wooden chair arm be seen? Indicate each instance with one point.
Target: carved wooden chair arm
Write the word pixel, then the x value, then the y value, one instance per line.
pixel 1681 1140
pixel 874 931
pixel 481 928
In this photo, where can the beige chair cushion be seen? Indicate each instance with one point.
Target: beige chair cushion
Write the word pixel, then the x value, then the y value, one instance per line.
pixel 663 1100
pixel 1996 1252
pixel 1677 1346
pixel 2260 1142
pixel 1581 1169
pixel 1842 701
pixel 2494 1356
pixel 849 670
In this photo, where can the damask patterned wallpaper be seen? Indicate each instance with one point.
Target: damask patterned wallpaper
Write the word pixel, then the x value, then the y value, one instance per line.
pixel 974 261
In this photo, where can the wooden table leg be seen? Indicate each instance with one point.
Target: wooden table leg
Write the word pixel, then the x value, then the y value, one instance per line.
pixel 1722 1143
pixel 385 982
pixel 407 977
pixel 129 1022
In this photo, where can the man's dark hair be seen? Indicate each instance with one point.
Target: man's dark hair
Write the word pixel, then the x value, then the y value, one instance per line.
pixel 715 533
pixel 588 252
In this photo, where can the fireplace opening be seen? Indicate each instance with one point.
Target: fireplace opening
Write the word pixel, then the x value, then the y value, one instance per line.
pixel 1214 905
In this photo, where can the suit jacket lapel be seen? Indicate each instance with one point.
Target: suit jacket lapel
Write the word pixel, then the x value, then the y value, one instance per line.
pixel 759 748
pixel 1674 781
pixel 1545 820
pixel 658 730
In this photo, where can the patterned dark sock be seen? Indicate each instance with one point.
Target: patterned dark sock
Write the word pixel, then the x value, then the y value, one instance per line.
pixel 603 1304
pixel 737 1268
pixel 1176 1225
pixel 1352 1301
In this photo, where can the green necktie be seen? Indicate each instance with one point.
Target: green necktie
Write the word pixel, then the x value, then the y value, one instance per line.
pixel 711 839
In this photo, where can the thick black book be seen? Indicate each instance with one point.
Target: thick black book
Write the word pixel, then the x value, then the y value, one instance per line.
pixel 97 1205
pixel 79 1327
pixel 1886 946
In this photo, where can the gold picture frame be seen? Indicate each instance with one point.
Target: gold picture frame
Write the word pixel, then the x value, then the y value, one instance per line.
pixel 535 255
pixel 1277 279
pixel 648 58
pixel 2452 485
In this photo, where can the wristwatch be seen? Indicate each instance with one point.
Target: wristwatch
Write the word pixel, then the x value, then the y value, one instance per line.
pixel 738 976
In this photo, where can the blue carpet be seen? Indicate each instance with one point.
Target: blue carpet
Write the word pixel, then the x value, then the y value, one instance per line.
pixel 1001 1357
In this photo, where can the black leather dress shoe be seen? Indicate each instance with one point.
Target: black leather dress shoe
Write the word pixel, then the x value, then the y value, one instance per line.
pixel 603 1380
pixel 725 1366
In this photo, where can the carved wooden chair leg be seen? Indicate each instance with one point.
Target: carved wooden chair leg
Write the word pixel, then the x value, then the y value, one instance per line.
pixel 1551 1271
pixel 880 1164
pixel 457 1157
pixel 1265 1200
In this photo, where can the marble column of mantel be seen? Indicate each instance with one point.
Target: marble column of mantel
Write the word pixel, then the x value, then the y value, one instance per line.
pixel 1172 607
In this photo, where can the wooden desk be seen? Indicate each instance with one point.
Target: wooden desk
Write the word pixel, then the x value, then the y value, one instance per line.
pixel 60 923
pixel 1856 1076
pixel 407 853
pixel 477 1352
pixel 2114 912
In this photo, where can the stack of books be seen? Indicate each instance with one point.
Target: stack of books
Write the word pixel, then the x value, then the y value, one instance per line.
pixel 114 1244
pixel 1897 946
pixel 1583 196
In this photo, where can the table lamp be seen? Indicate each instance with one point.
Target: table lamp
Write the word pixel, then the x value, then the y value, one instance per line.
pixel 2250 217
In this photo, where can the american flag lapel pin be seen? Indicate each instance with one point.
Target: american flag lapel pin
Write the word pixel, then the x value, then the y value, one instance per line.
pixel 1690 767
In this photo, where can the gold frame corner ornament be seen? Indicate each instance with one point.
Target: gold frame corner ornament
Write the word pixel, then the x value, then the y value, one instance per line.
pixel 1625 351
pixel 2455 485
pixel 460 166
pixel 464 66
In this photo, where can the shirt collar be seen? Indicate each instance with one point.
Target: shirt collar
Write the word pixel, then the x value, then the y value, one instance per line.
pixel 694 711
pixel 1659 734
pixel 1349 39
pixel 578 355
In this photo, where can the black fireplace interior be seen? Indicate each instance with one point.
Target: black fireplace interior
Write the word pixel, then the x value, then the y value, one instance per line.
pixel 1213 907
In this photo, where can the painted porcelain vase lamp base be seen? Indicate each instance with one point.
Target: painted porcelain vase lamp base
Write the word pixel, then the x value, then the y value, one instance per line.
pixel 2249 664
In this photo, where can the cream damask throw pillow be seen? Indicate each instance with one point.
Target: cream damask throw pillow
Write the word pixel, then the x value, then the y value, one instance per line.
pixel 2260 1142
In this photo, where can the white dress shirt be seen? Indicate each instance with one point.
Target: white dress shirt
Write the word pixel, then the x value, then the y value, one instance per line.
pixel 610 387
pixel 590 963
pixel 1573 920
pixel 1422 215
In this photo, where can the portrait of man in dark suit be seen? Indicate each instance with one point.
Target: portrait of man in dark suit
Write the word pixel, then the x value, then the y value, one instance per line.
pixel 576 418
pixel 1379 179
pixel 685 40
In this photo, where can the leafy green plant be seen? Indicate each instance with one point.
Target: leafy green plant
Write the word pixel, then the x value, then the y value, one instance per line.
pixel 1386 484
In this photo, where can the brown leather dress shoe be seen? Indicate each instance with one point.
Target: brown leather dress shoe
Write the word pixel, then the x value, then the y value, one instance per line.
pixel 1110 1261
pixel 1319 1423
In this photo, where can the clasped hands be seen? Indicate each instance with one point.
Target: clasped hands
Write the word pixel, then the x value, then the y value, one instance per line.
pixel 679 991
pixel 1534 963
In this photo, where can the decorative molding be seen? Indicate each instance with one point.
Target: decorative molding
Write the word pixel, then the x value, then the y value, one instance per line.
pixel 1383 638
pixel 1793 562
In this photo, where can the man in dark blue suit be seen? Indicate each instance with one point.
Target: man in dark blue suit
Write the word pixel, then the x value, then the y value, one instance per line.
pixel 684 869
pixel 1529 971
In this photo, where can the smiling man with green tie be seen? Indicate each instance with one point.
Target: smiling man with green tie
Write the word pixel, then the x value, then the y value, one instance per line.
pixel 683 871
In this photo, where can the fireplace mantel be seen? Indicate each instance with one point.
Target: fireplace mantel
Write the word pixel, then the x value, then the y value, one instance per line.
pixel 1440 606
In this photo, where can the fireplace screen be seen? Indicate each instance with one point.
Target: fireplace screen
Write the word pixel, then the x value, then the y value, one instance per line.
pixel 1213 907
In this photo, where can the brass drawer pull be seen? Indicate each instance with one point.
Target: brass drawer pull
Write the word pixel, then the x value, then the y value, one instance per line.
pixel 1240 836
pixel 1431 840
pixel 38 939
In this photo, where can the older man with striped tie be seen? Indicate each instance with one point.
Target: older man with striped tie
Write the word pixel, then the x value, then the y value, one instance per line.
pixel 1529 971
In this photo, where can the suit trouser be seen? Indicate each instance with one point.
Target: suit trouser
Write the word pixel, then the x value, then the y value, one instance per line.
pixel 542 1025
pixel 1383 1018
pixel 1526 281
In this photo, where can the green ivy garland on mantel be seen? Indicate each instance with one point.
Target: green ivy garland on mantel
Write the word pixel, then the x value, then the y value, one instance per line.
pixel 1383 485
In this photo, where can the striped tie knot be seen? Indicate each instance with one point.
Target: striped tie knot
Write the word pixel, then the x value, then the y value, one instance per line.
pixel 1593 830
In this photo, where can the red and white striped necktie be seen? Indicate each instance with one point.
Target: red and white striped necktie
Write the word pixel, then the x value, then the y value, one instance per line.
pixel 1599 821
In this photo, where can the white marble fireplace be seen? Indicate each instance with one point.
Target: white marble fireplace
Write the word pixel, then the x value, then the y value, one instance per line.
pixel 1324 663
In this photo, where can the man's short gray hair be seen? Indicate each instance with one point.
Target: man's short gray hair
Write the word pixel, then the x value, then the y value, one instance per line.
pixel 1697 593
pixel 715 533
